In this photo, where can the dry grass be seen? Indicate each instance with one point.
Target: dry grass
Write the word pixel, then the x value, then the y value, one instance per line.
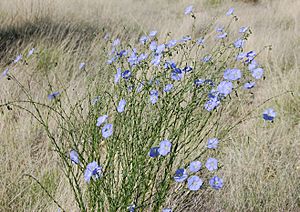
pixel 261 168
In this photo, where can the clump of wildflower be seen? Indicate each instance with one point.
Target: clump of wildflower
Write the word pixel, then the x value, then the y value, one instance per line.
pixel 93 170
pixel 216 183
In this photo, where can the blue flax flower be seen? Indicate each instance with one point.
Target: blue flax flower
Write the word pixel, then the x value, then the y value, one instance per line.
pixel 4 73
pixel 257 73
pixel 187 69
pixel 82 66
pixel 180 175
pixel 171 43
pixel 131 207
pixel 118 75
pixel 74 157
pixel 200 41
pixel 116 42
pixel 253 65
pixel 143 39
pixel 140 87
pixel 230 11
pixel 207 58
pixel 243 29
pixel 156 60
pixel 164 147
pixel 186 38
pixel 160 48
pixel 225 88
pixel 241 56
pixel 93 170
pixel 239 43
pixel 222 36
pixel 212 103
pixel 212 143
pixel 122 53
pixel 188 10
pixel 168 88
pixel 232 74
pixel 195 166
pixel 101 120
pixel 211 164
pixel 31 51
pixel 167 210
pixel 194 183
pixel 269 114
pixel 107 130
pixel 95 100
pixel 121 106
pixel 249 85
pixel 216 182
pixel 18 58
pixel 154 152
pixel 142 57
pixel 53 95
pixel 133 59
pixel 251 55
pixel 153 46
pixel 176 74
pixel 126 74
pixel 220 29
pixel 152 33
pixel 153 96
pixel 199 82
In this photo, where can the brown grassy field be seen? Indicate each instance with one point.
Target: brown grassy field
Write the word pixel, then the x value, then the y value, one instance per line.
pixel 261 168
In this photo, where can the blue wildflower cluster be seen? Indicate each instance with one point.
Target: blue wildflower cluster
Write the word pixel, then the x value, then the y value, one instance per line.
pixel 152 86
pixel 150 132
